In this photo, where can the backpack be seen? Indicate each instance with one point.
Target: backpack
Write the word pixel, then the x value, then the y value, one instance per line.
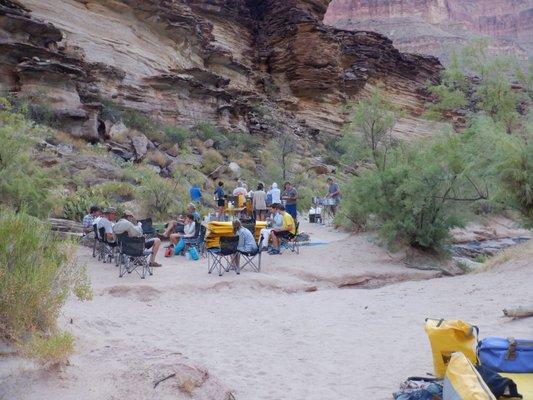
pixel 499 386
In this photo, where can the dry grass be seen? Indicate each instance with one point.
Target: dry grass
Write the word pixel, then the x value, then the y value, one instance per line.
pixel 518 252
pixel 51 351
pixel 158 158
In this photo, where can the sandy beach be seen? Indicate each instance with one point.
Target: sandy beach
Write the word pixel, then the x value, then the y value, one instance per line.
pixel 342 320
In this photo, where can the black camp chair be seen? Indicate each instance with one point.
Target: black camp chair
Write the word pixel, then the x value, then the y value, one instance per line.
pixel 134 257
pixel 95 243
pixel 198 240
pixel 148 228
pixel 106 249
pixel 291 241
pixel 218 256
pixel 249 257
pixel 119 256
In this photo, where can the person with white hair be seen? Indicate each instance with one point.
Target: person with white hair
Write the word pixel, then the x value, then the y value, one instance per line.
pixel 274 194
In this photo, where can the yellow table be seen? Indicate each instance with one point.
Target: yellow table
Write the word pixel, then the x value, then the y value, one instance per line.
pixel 216 229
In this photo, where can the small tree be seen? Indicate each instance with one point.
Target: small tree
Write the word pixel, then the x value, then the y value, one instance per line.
pixel 285 148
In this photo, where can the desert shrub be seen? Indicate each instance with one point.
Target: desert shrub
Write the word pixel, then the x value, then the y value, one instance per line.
pixel 110 111
pixel 108 194
pixel 24 185
pixel 160 197
pixel 211 159
pixel 37 271
pixel 28 106
pixel 50 350
pixel 136 120
pixel 206 130
pixel 175 134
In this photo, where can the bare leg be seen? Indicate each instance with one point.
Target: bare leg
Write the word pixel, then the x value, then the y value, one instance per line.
pixel 275 240
pixel 174 238
pixel 170 228
pixel 155 249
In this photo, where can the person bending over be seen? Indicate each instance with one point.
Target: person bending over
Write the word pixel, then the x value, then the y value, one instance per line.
pixel 189 230
pixel 246 244
pixel 129 225
pixel 288 229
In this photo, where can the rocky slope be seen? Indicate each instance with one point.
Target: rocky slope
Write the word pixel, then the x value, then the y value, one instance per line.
pixel 193 61
pixel 434 26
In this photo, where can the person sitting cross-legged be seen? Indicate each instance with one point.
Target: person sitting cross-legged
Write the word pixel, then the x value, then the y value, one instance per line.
pixel 177 225
pixel 128 224
pixel 288 229
pixel 189 230
pixel 246 243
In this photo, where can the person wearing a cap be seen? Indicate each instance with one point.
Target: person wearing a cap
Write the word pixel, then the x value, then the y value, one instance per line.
pixel 129 225
pixel 107 221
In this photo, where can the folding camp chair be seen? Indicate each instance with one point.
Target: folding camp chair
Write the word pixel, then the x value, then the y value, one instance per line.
pixel 198 240
pixel 95 243
pixel 148 228
pixel 291 241
pixel 119 257
pixel 135 257
pixel 106 249
pixel 249 257
pixel 217 256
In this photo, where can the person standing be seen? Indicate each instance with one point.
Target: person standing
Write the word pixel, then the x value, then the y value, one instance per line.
pixel 220 198
pixel 333 193
pixel 195 193
pixel 290 196
pixel 274 195
pixel 259 203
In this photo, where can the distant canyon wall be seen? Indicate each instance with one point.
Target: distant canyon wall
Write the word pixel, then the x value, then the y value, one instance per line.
pixel 430 26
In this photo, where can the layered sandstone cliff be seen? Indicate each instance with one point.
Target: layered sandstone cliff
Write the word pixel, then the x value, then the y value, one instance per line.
pixel 194 61
pixel 436 26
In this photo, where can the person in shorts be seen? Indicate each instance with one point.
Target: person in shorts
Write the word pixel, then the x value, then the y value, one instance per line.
pixel 333 193
pixel 220 198
pixel 286 231
pixel 129 225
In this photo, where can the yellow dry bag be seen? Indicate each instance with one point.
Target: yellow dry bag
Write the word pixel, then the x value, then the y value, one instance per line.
pixel 447 337
pixel 463 382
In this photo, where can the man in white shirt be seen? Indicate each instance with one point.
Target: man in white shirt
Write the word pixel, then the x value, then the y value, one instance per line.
pixel 107 221
pixel 129 225
pixel 275 194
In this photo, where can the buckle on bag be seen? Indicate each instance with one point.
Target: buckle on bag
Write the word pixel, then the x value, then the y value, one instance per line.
pixel 511 352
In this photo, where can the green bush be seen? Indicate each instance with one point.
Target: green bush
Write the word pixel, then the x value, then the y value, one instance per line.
pixel 50 350
pixel 211 159
pixel 29 107
pixel 24 185
pixel 37 272
pixel 174 134
pixel 110 111
pixel 161 198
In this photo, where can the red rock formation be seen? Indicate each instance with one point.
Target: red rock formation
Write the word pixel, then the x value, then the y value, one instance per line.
pixel 200 61
pixel 431 25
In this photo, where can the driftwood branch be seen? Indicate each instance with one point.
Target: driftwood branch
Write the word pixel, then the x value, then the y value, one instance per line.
pixel 164 379
pixel 520 312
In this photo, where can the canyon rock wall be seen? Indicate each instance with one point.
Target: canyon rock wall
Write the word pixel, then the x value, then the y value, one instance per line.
pixel 194 61
pixel 435 26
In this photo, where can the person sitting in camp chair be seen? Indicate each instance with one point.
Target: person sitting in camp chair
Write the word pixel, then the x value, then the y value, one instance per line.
pixel 129 225
pixel 177 225
pixel 90 219
pixel 246 244
pixel 107 221
pixel 275 221
pixel 288 229
pixel 189 231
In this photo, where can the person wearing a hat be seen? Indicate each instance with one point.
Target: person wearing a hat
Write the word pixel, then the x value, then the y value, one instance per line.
pixel 129 225
pixel 107 221
pixel 177 225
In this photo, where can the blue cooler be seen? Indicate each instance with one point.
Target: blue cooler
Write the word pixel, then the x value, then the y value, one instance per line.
pixel 506 354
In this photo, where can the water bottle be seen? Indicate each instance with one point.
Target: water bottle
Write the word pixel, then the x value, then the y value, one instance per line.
pixel 188 256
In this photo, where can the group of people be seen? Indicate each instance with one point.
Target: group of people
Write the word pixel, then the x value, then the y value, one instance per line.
pixel 106 221
pixel 278 208
pixel 261 199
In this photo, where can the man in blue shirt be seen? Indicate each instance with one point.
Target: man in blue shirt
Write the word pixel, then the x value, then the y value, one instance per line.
pixel 195 193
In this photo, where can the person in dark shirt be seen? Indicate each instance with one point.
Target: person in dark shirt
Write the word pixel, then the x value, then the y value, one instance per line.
pixel 220 198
